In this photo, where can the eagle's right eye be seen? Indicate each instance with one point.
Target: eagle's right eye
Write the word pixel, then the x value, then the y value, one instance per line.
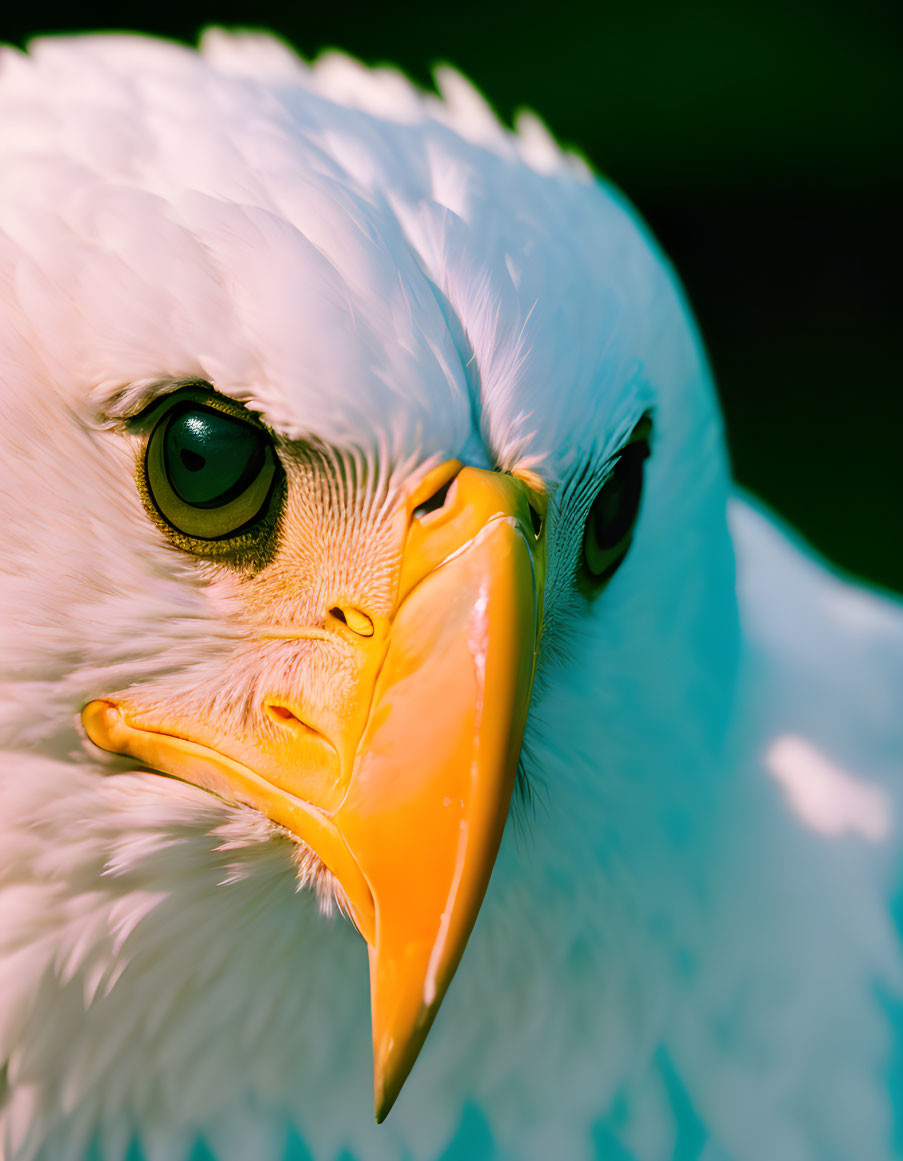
pixel 209 474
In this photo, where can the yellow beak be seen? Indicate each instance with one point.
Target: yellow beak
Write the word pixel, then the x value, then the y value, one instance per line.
pixel 443 700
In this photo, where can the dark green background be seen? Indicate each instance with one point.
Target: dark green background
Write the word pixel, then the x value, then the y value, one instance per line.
pixel 761 140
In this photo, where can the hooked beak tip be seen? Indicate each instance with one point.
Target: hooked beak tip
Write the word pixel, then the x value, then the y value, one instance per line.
pixel 386 1087
pixel 394 1057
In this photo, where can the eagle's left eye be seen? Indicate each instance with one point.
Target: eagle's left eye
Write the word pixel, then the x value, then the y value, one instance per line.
pixel 209 474
pixel 609 525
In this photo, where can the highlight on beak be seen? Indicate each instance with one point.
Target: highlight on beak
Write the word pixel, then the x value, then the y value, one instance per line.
pixel 413 833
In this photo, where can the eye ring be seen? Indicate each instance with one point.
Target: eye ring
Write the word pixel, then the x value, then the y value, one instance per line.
pixel 608 532
pixel 210 475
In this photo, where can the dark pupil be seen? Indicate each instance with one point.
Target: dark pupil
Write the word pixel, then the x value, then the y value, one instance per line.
pixel 616 505
pixel 211 458
pixel 192 460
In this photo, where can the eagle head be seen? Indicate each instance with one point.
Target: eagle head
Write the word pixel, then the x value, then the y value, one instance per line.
pixel 363 505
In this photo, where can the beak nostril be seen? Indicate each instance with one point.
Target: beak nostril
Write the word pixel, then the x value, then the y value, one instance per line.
pixel 356 621
pixel 435 502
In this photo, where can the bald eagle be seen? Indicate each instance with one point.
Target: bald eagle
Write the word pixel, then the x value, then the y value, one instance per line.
pixel 368 532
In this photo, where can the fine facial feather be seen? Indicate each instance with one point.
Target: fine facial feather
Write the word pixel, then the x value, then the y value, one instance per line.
pixel 397 277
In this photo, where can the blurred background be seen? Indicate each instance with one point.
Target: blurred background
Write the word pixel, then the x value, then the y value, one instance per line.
pixel 761 141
